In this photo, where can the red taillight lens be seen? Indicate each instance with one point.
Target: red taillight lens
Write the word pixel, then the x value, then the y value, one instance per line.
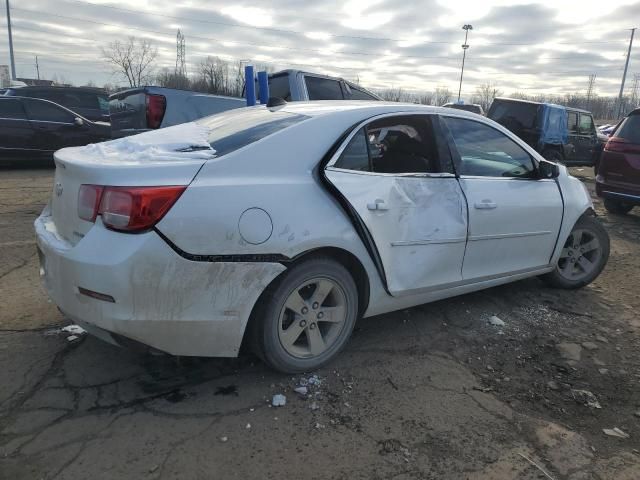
pixel 127 209
pixel 132 209
pixel 156 105
pixel 88 201
pixel 621 145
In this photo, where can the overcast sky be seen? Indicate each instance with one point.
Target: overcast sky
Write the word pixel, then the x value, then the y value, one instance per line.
pixel 546 46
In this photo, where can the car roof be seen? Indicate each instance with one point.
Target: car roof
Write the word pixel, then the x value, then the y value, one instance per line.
pixel 634 112
pixel 372 107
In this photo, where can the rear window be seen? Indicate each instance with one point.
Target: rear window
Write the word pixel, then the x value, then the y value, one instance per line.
pixel 323 88
pixel 629 129
pixel 233 130
pixel 127 103
pixel 514 114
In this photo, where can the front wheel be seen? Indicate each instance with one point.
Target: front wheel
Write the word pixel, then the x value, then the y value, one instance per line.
pixel 614 206
pixel 583 257
pixel 306 317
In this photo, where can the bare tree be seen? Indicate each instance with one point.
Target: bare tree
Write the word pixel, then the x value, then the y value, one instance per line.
pixel 485 94
pixel 215 73
pixel 442 95
pixel 133 59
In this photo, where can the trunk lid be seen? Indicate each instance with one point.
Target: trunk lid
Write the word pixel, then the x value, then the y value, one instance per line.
pixel 171 156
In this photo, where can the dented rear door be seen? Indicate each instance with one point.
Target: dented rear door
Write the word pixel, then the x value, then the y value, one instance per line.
pixel 417 221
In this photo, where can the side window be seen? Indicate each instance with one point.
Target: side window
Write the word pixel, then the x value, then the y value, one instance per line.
pixel 356 155
pixel 586 124
pixel 402 144
pixel 10 108
pixel 573 122
pixel 279 87
pixel 323 88
pixel 357 94
pixel 47 112
pixel 487 152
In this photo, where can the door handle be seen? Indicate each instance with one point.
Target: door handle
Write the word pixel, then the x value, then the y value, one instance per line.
pixel 486 205
pixel 378 205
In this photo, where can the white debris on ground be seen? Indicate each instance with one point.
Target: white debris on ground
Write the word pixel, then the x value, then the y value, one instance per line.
pixel 73 329
pixel 496 321
pixel 187 141
pixel 586 397
pixel 303 391
pixel 615 432
pixel 279 400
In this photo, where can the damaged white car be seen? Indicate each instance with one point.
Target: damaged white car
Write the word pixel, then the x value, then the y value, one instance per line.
pixel 280 226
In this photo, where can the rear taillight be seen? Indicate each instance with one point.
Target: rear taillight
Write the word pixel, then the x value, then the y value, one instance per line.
pixel 128 209
pixel 88 201
pixel 156 105
pixel 620 145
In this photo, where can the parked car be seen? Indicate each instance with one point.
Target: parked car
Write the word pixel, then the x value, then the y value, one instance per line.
pixel 281 226
pixel 31 129
pixel 618 171
pixel 467 107
pixel 91 103
pixel 560 134
pixel 138 110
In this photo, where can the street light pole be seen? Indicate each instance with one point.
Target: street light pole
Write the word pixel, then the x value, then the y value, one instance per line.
pixel 465 46
pixel 624 75
pixel 13 62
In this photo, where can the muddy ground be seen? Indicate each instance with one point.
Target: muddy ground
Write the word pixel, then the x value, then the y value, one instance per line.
pixel 433 392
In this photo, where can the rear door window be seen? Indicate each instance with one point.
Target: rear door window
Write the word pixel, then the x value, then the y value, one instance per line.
pixel 323 88
pixel 357 94
pixel 403 144
pixel 12 109
pixel 573 122
pixel 629 129
pixel 233 130
pixel 279 87
pixel 43 111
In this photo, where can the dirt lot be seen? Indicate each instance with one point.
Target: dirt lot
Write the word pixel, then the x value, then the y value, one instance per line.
pixel 433 392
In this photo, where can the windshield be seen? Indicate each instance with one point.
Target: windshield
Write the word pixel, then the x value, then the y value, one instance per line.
pixel 238 128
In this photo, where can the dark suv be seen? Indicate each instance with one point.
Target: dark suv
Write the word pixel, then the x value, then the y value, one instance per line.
pixel 31 129
pixel 91 103
pixel 560 134
pixel 618 170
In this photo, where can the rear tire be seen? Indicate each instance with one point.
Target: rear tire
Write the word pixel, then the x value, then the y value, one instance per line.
pixel 305 318
pixel 614 206
pixel 584 255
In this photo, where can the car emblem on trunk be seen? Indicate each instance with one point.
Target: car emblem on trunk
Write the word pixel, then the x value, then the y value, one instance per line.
pixel 59 189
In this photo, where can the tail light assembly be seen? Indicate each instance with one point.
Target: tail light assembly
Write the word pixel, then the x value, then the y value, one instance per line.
pixel 127 209
pixel 620 145
pixel 156 106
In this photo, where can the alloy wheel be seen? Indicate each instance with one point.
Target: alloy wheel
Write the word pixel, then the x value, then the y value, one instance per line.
pixel 580 255
pixel 312 317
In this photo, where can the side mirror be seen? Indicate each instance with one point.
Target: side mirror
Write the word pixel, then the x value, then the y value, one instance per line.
pixel 548 169
pixel 78 122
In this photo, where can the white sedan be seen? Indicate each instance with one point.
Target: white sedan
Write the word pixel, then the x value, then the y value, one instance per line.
pixel 280 226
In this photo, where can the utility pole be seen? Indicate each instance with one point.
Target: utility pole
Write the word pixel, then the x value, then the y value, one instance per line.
pixel 635 91
pixel 624 75
pixel 37 67
pixel 465 46
pixel 592 81
pixel 181 67
pixel 13 61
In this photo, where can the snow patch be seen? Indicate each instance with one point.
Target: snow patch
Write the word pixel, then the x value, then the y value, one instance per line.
pixel 187 141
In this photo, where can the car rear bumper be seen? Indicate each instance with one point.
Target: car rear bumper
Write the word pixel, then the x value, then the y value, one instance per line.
pixel 124 286
pixel 615 192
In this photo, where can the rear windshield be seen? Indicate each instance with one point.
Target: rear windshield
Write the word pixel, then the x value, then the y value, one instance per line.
pixel 514 114
pixel 236 129
pixel 630 129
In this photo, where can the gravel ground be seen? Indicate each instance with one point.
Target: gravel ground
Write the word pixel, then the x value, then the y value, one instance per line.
pixel 432 392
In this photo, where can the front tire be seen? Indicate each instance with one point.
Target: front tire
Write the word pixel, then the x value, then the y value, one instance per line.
pixel 614 206
pixel 584 255
pixel 306 317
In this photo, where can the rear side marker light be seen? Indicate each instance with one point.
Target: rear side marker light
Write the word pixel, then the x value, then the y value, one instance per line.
pixel 127 209
pixel 98 296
